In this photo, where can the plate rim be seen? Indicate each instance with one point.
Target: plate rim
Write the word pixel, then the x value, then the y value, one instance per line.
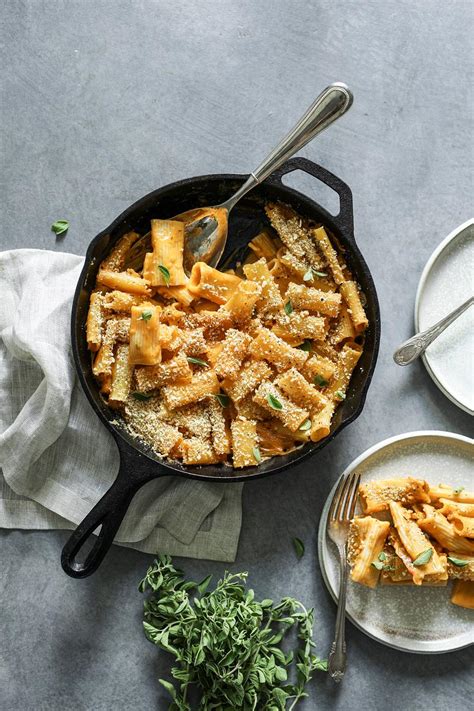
pixel 419 294
pixel 416 434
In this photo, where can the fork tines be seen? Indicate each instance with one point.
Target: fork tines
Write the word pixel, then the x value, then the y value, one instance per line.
pixel 345 498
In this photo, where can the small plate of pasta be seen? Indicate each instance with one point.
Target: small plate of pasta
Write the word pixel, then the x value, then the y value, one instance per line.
pixel 232 365
pixel 411 543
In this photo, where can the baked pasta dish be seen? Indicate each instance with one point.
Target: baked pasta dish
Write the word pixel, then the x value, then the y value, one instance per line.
pixel 412 533
pixel 227 366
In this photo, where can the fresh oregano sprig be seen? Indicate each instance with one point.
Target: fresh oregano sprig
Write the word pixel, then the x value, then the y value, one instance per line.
pixel 227 646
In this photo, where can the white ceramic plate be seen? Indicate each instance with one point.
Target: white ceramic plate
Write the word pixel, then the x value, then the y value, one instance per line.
pixel 420 620
pixel 447 281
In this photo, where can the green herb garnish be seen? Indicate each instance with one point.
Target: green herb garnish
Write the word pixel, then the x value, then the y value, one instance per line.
pixel 424 557
pixel 458 561
pixel 288 307
pixel 222 399
pixel 340 395
pixel 305 426
pixel 203 585
pixel 142 397
pixel 312 273
pixel 377 564
pixel 274 402
pixel 197 361
pixel 256 454
pixel 380 563
pixel 145 316
pixel 298 545
pixel 227 646
pixel 60 227
pixel 457 491
pixel 305 346
pixel 165 273
pixel 319 380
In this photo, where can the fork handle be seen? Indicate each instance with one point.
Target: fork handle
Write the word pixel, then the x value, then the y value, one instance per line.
pixel 337 656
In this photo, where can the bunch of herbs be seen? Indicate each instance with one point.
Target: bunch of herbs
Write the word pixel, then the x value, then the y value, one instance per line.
pixel 227 646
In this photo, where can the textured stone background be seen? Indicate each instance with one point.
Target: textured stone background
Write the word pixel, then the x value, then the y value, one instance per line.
pixel 105 100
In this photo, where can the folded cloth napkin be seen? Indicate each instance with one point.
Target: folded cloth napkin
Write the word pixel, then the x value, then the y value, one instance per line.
pixel 56 458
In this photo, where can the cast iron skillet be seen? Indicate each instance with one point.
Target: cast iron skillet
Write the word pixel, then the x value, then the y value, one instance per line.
pixel 138 463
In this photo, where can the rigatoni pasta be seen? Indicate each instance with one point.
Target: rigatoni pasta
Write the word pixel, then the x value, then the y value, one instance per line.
pixel 227 366
pixel 420 547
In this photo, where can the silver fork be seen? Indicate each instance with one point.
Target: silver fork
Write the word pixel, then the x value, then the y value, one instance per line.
pixel 340 514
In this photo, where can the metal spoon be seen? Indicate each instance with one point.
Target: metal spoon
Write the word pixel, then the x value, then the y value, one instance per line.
pixel 206 227
pixel 417 344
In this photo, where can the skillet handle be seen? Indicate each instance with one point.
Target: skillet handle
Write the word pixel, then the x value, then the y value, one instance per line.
pixel 345 219
pixel 107 513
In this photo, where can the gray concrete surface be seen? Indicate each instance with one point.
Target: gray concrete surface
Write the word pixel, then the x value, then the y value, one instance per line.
pixel 105 100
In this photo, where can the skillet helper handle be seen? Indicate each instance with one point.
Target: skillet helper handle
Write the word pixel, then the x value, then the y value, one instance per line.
pixel 345 218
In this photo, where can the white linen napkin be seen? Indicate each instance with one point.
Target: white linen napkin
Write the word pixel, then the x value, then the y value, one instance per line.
pixel 56 457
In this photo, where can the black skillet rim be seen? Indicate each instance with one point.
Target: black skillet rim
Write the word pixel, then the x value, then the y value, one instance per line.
pixel 126 442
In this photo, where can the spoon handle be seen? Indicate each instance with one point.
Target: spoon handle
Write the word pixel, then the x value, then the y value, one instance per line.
pixel 333 102
pixel 416 345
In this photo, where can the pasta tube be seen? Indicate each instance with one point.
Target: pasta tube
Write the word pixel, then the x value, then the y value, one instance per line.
pixel 220 434
pixel 181 294
pixel 198 451
pixel 367 538
pixel 269 347
pixel 270 299
pixel 209 283
pixel 460 495
pixel 246 380
pixel 299 326
pixel 242 302
pixel 297 388
pixel 346 363
pixel 244 442
pixel 121 301
pixel 127 281
pixel 234 350
pixel 356 310
pixel 463 525
pixel 414 540
pixel 344 329
pixel 145 348
pixel 116 330
pixel 95 321
pixel 321 422
pixel 375 496
pixel 164 265
pixel 201 386
pixel 322 240
pixel 443 531
pixel 323 302
pixel 318 370
pixel 176 370
pixel 121 375
pixel 115 260
pixel 271 399
pixel 453 507
pixel 263 245
pixel 463 594
pixel 293 232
